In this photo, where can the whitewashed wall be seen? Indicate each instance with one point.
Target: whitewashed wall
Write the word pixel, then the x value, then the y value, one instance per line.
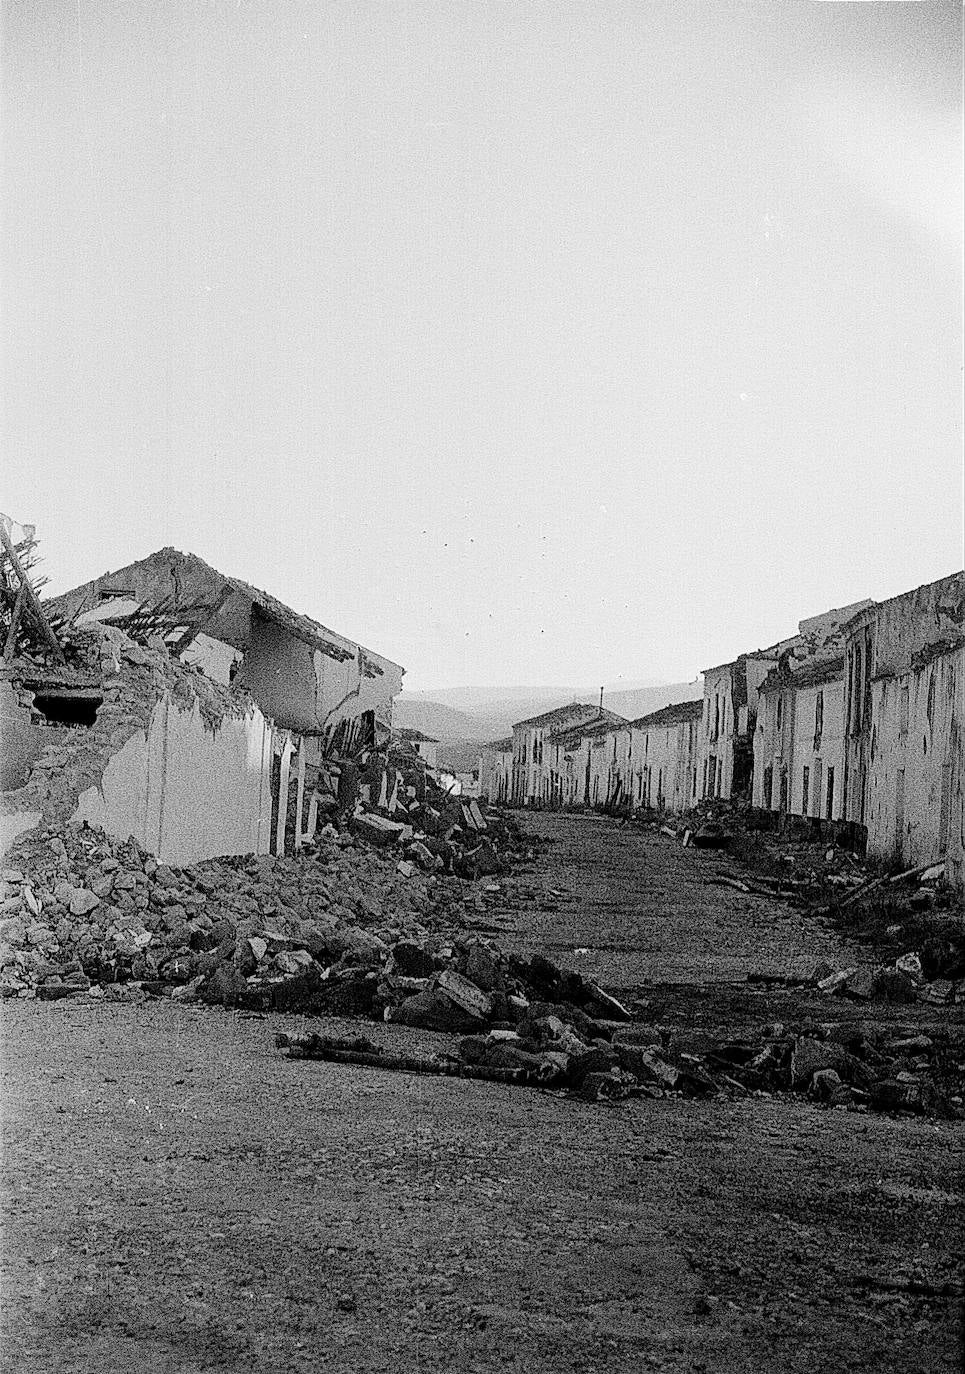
pixel 186 792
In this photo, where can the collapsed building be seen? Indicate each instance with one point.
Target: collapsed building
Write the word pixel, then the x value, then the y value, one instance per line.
pixel 192 712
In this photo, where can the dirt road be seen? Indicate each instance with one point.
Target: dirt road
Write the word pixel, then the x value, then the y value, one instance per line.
pixel 645 909
pixel 179 1196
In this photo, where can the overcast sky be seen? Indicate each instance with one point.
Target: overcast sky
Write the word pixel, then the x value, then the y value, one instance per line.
pixel 521 342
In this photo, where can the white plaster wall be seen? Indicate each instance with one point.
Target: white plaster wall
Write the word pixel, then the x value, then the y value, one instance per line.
pixel 14 824
pixel 213 657
pixel 830 754
pixel 303 689
pixel 599 770
pixel 929 754
pixel 716 683
pixel 672 750
pixel 185 792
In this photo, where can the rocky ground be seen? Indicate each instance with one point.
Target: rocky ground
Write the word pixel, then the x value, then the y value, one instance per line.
pixel 182 1196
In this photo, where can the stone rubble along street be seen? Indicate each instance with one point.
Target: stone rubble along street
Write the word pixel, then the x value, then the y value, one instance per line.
pixel 344 928
pixel 676 1153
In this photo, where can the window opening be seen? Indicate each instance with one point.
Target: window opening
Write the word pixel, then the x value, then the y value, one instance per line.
pixel 66 710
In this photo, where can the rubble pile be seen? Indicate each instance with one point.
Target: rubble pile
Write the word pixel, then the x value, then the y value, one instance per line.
pixel 916 976
pixel 376 928
pixel 859 1065
pixel 905 916
pixel 82 911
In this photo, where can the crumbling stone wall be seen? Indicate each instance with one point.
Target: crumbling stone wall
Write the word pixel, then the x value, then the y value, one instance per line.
pixel 176 761
pixel 20 741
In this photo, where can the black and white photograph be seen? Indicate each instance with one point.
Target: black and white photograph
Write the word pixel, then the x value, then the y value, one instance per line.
pixel 482 699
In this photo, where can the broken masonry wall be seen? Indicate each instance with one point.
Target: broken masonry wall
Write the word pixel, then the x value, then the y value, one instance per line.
pixel 822 635
pixel 187 792
pixel 915 811
pixel 21 741
pixel 306 690
pixel 173 759
pixel 930 618
pixel 294 682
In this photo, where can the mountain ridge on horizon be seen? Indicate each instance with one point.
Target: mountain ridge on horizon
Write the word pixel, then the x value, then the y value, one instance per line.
pixel 494 718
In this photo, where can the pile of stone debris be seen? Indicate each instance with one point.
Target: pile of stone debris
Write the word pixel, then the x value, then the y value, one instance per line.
pixel 916 976
pixel 350 928
pixel 82 912
pixel 531 1022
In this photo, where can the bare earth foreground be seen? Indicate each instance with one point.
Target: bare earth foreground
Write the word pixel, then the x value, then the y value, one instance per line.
pixel 179 1196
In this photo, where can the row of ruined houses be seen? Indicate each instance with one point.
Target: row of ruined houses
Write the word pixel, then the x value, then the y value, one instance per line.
pixel 854 723
pixel 188 709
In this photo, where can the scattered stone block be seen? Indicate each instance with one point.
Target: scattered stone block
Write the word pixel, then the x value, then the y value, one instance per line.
pixel 82 900
pixel 465 994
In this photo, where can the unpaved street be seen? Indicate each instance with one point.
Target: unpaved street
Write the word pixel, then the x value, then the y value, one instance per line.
pixel 645 909
pixel 181 1197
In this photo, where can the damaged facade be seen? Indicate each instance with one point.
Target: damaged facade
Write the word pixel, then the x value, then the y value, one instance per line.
pixel 731 691
pixel 855 720
pixel 306 678
pixel 424 745
pixel 191 712
pixel 904 678
pixel 799 742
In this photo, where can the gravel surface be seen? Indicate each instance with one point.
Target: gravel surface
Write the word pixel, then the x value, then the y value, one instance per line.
pixel 179 1196
pixel 644 908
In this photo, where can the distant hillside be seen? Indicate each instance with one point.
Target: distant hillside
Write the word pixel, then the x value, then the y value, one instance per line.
pixel 502 701
pixel 495 716
pixel 647 699
pixel 441 722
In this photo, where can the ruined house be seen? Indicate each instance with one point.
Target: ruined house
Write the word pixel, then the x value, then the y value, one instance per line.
pixel 305 677
pixel 663 753
pixel 904 680
pixel 424 745
pixel 731 691
pixel 190 711
pixel 799 741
